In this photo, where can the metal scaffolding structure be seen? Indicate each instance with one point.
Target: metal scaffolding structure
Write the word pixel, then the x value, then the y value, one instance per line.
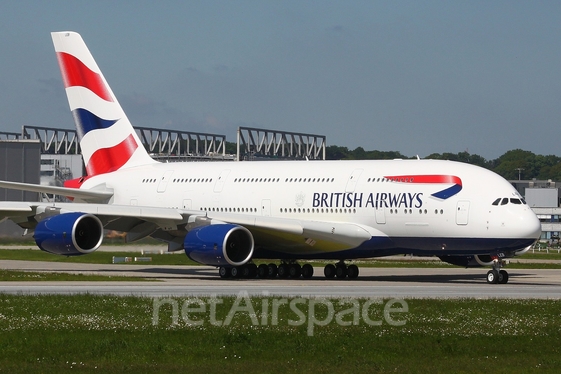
pixel 173 145
pixel 53 141
pixel 254 143
pixel 9 135
pixel 170 145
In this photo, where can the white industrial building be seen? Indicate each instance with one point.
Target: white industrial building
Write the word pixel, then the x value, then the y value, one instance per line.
pixel 543 198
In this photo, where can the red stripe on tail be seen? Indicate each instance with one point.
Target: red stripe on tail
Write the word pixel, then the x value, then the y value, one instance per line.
pixel 75 73
pixel 106 160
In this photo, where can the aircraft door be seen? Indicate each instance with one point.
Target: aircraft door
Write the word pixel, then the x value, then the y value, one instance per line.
pixel 462 213
pixel 353 179
pixel 221 180
pixel 164 181
pixel 266 208
pixel 380 215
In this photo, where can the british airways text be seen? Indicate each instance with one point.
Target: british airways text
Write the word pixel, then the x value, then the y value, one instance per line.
pixel 371 200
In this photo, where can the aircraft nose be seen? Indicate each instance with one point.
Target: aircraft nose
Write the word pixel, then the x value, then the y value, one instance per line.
pixel 530 226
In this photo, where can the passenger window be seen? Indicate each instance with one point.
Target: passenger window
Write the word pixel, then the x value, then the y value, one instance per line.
pixel 496 202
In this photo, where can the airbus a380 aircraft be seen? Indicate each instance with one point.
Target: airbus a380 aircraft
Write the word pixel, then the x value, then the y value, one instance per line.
pixel 229 214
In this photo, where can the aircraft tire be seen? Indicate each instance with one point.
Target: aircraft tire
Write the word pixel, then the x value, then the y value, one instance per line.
pixel 283 271
pixel 294 271
pixel 307 271
pixel 272 270
pixel 341 271
pixel 329 271
pixel 251 271
pixel 503 277
pixel 236 272
pixel 263 271
pixel 352 271
pixel 492 276
pixel 224 272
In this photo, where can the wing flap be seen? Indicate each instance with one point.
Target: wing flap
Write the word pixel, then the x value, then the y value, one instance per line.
pixel 350 235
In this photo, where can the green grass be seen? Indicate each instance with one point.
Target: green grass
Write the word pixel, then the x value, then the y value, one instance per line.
pixel 108 334
pixel 30 276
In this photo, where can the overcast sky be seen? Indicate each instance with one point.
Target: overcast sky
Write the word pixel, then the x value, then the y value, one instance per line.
pixel 412 76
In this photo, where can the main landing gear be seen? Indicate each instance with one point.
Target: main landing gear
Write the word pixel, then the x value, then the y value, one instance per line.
pixel 291 270
pixel 341 271
pixel 497 275
pixel 288 270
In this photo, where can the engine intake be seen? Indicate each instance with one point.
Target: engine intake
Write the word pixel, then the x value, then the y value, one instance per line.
pixel 219 245
pixel 69 234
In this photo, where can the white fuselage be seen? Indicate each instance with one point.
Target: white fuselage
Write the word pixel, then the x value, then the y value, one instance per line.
pixel 360 192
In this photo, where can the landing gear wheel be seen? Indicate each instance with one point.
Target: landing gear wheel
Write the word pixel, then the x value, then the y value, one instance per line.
pixel 236 272
pixel 283 271
pixel 262 271
pixel 251 271
pixel 224 272
pixel 341 271
pixel 503 277
pixel 492 276
pixel 352 271
pixel 307 271
pixel 245 272
pixel 272 270
pixel 329 271
pixel 294 271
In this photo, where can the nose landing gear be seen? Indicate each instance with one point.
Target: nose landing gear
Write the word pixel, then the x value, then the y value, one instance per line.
pixel 497 274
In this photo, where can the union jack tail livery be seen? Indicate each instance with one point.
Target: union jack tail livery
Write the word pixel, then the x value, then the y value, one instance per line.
pixel 106 136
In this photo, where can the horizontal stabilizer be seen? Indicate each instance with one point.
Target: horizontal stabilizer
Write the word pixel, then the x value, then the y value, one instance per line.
pixel 99 196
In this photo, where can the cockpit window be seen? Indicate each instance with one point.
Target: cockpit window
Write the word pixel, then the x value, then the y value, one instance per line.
pixel 513 200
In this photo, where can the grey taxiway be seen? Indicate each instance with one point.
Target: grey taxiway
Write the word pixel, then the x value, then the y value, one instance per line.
pixel 186 281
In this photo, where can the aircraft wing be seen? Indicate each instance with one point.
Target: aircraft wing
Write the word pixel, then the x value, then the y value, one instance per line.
pixel 172 224
pixel 91 195
pixel 347 235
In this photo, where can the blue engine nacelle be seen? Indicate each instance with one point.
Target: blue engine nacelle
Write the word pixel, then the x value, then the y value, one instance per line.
pixel 219 245
pixel 69 234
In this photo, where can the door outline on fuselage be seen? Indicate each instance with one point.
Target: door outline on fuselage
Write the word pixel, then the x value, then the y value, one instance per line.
pixel 221 180
pixel 462 213
pixel 353 180
pixel 266 207
pixel 164 181
pixel 380 215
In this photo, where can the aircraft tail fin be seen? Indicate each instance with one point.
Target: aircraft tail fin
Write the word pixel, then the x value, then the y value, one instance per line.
pixel 107 138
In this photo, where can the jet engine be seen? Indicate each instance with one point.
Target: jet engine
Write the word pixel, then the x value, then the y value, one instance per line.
pixel 219 245
pixel 69 234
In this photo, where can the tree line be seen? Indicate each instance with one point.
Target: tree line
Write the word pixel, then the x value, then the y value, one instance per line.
pixel 510 165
